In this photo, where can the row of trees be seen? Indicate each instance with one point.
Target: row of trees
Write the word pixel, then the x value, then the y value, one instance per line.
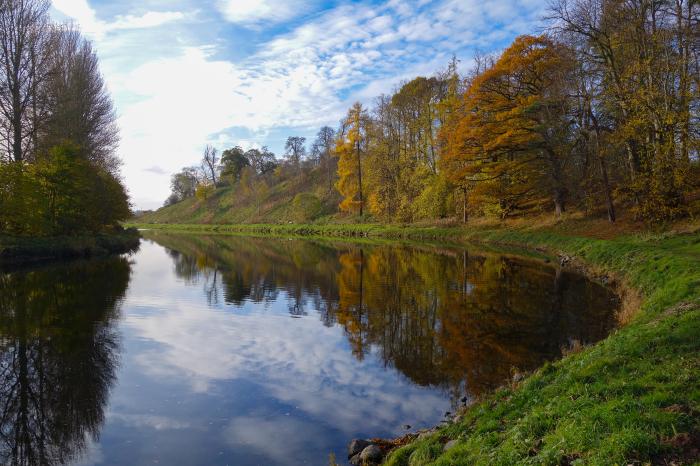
pixel 602 110
pixel 58 170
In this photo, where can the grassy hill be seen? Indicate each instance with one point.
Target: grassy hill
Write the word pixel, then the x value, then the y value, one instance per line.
pixel 302 198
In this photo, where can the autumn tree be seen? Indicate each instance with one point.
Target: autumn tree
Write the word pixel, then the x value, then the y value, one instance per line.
pixel 514 136
pixel 351 149
pixel 58 133
pixel 646 71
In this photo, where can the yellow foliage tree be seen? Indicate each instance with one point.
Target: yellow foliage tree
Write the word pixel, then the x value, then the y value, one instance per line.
pixel 351 150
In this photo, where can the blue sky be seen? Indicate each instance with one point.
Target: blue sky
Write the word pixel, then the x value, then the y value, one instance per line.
pixel 184 73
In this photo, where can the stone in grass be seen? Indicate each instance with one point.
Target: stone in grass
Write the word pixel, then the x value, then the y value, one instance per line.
pixel 449 445
pixel 356 460
pixel 372 454
pixel 356 446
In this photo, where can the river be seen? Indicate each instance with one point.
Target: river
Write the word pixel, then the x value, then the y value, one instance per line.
pixel 216 350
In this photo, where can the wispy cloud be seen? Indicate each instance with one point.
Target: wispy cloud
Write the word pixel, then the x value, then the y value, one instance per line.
pixel 254 12
pixel 156 169
pixel 81 12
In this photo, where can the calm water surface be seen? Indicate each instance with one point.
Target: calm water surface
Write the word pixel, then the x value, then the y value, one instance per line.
pixel 204 350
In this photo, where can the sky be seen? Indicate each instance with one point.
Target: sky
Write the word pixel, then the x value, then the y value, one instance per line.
pixel 187 73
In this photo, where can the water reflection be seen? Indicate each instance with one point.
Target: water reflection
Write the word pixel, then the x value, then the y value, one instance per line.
pixel 441 317
pixel 59 351
pixel 211 369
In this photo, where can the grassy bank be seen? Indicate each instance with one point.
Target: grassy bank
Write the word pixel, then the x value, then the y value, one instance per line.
pixel 350 230
pixel 15 249
pixel 634 398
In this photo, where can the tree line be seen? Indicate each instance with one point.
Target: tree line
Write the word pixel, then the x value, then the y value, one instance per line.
pixel 256 169
pixel 58 170
pixel 598 114
pixel 602 110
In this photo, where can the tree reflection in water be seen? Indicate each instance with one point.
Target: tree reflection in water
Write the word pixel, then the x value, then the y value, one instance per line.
pixel 59 350
pixel 440 316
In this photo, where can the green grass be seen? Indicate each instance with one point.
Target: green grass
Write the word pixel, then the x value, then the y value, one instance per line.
pixel 15 249
pixel 332 230
pixel 633 398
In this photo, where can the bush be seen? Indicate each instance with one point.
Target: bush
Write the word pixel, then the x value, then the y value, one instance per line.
pixel 61 193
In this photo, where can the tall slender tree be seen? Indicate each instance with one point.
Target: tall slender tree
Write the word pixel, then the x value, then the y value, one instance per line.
pixel 323 146
pixel 24 33
pixel 351 149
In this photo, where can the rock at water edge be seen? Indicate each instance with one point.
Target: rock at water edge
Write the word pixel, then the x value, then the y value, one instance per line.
pixel 356 446
pixel 372 454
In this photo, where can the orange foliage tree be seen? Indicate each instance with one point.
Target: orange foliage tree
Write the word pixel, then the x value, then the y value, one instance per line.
pixel 512 138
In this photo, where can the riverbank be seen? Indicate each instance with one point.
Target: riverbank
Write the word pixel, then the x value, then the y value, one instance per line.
pixel 349 230
pixel 15 249
pixel 632 398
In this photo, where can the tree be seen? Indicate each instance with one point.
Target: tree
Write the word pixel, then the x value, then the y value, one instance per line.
pixel 171 200
pixel 58 131
pixel 80 108
pixel 232 163
pixel 295 150
pixel 640 56
pixel 23 39
pixel 351 149
pixel 184 184
pixel 263 161
pixel 516 131
pixel 210 164
pixel 323 148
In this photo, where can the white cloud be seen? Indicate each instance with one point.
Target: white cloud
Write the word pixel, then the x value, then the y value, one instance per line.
pixel 81 12
pixel 251 12
pixel 147 20
pixel 276 439
pixel 150 421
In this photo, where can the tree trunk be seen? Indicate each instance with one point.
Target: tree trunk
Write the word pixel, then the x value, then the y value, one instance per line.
pixel 359 177
pixel 559 189
pixel 559 206
pixel 464 205
pixel 603 171
pixel 606 187
pixel 16 126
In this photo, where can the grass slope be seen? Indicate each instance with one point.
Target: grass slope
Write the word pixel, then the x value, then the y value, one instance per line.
pixel 303 198
pixel 633 398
